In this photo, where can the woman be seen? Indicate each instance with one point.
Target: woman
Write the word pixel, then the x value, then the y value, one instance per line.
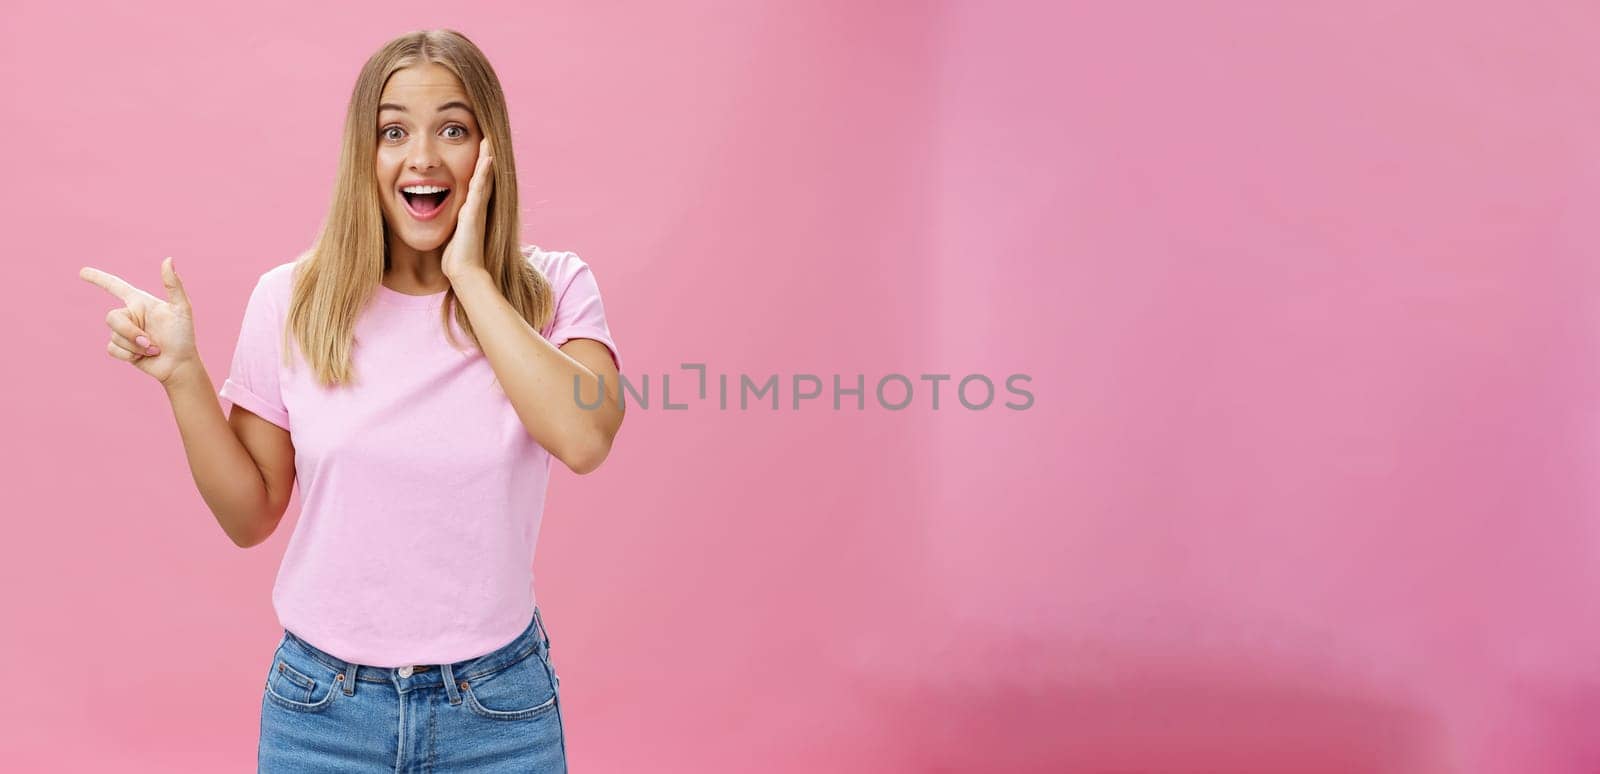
pixel 411 634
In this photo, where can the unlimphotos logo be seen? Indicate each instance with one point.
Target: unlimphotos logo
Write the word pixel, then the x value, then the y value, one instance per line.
pixel 892 392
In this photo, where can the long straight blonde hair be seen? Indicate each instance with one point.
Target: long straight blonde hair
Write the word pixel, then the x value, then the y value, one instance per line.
pixel 337 277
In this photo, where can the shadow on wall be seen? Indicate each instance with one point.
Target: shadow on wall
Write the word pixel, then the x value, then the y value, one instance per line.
pixel 1546 723
pixel 1126 714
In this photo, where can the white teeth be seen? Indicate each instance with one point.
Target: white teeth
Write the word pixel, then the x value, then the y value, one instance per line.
pixel 424 189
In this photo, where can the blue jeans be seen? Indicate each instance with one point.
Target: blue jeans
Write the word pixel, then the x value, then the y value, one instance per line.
pixel 497 712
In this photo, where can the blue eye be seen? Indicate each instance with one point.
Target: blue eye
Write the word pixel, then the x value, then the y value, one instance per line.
pixel 384 132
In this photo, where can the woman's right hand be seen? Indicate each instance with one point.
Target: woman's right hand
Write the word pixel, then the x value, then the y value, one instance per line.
pixel 156 336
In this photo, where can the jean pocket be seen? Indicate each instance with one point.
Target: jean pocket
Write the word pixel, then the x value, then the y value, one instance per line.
pixel 523 690
pixel 300 684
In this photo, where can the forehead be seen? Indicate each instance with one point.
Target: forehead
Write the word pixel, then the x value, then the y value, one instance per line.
pixel 427 83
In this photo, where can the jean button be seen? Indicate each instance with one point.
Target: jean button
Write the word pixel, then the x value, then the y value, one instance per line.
pixel 405 671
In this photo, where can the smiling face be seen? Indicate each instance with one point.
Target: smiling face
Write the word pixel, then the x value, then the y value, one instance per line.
pixel 427 135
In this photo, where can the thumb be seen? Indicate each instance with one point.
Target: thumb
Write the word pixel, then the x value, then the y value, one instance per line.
pixel 169 277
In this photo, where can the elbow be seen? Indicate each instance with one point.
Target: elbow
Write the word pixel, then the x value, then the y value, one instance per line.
pixel 255 531
pixel 587 457
pixel 248 540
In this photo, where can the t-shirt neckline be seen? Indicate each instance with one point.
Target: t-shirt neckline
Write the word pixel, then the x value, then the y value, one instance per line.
pixel 395 298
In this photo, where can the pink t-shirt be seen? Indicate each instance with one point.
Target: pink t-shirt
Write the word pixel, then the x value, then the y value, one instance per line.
pixel 421 491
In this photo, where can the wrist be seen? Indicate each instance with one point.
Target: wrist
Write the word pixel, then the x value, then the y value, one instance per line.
pixel 471 280
pixel 186 373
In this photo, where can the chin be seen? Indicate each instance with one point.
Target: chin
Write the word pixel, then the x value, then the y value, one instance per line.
pixel 424 246
pixel 424 237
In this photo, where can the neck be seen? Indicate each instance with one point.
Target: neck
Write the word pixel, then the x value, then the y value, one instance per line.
pixel 412 266
pixel 409 270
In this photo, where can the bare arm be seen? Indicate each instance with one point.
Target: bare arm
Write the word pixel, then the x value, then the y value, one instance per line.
pixel 546 384
pixel 541 379
pixel 242 465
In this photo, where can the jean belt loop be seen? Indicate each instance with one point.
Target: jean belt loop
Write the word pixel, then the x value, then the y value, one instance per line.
pixel 450 688
pixel 544 636
pixel 349 678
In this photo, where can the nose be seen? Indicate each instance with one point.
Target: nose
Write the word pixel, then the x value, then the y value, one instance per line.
pixel 422 156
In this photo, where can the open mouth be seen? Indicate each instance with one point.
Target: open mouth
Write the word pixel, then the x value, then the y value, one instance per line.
pixel 423 206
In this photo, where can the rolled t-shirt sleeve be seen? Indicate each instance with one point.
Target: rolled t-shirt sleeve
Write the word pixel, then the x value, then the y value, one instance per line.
pixel 253 377
pixel 580 314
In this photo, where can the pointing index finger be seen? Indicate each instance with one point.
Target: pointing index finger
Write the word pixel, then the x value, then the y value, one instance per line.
pixel 110 282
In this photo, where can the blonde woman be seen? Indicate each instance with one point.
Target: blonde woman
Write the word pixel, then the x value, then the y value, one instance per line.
pixel 416 370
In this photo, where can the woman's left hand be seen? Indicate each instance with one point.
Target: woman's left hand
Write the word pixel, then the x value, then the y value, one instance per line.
pixel 464 253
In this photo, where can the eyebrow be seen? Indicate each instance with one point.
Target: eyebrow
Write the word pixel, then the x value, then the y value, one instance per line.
pixel 442 108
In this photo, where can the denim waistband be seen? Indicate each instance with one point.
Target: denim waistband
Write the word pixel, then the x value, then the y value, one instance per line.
pixel 533 636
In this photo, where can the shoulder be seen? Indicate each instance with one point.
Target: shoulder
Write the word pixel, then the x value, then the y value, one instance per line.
pixel 559 267
pixel 279 280
pixel 275 286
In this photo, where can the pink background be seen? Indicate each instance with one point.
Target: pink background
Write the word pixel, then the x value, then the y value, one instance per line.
pixel 1307 294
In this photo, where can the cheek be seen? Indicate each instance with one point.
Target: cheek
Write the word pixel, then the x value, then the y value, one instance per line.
pixel 387 175
pixel 388 167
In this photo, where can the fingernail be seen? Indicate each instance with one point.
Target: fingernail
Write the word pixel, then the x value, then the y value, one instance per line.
pixel 151 350
pixel 143 341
